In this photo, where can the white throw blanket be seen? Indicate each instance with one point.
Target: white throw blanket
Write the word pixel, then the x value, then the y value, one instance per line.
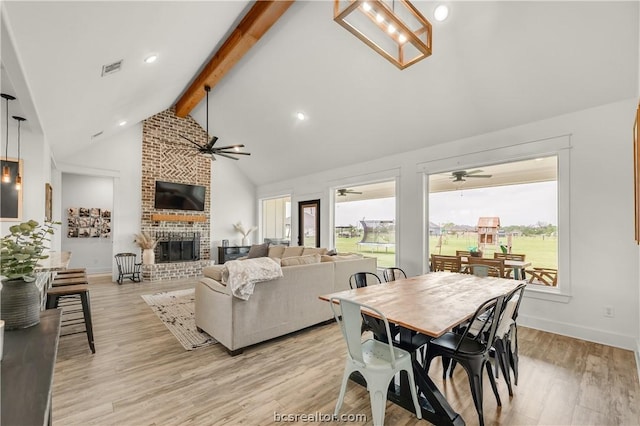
pixel 242 275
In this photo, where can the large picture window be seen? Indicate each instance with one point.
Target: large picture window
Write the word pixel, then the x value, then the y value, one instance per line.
pixel 275 223
pixel 509 208
pixel 365 221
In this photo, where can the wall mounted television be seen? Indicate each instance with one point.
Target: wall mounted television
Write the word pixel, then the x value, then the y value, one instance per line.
pixel 179 196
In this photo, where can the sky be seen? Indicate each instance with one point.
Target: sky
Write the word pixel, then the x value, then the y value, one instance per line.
pixel 525 204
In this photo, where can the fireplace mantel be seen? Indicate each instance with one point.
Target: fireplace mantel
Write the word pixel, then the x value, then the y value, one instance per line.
pixel 178 218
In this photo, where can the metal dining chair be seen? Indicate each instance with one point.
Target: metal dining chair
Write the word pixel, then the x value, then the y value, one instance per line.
pixel 362 279
pixel 377 361
pixel 392 274
pixel 472 351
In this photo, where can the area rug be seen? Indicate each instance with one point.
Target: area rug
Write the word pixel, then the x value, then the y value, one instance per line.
pixel 176 309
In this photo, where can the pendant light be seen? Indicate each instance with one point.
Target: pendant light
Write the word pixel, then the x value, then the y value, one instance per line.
pixel 18 177
pixel 6 171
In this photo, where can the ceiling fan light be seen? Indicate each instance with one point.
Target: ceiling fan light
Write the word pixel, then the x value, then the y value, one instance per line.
pixel 6 174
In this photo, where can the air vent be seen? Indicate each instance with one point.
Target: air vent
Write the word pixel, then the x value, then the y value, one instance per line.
pixel 97 135
pixel 111 68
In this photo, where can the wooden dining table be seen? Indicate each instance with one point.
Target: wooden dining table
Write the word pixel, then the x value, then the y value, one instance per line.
pixel 431 304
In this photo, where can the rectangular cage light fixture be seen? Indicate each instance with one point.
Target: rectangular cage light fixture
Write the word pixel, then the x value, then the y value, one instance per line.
pixel 395 29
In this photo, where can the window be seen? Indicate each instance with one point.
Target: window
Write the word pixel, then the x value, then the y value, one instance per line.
pixel 365 221
pixel 505 208
pixel 275 225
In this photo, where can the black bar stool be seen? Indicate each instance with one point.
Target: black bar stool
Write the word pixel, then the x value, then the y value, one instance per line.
pixel 55 294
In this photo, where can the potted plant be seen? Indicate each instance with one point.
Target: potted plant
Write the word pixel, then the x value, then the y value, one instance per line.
pixel 20 253
pixel 147 243
pixel 245 232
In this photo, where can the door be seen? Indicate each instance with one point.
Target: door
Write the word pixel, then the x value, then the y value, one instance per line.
pixel 309 223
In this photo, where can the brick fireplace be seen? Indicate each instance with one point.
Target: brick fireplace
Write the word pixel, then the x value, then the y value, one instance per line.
pixel 184 235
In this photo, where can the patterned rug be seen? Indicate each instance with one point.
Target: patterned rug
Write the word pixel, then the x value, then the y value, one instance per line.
pixel 176 309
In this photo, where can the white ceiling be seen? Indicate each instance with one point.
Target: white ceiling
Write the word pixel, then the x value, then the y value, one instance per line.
pixel 495 65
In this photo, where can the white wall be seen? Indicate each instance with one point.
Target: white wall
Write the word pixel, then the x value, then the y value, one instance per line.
pixel 118 158
pixel 233 200
pixel 94 254
pixel 603 259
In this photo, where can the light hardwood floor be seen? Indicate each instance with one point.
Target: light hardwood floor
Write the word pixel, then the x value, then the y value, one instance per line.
pixel 141 375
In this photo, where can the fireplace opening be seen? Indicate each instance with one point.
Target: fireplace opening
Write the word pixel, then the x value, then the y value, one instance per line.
pixel 177 247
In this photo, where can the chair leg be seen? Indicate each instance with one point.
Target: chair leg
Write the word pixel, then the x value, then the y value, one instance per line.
pixel 414 394
pixel 445 366
pixel 474 372
pixel 502 356
pixel 378 400
pixel 493 383
pixel 343 387
pixel 86 309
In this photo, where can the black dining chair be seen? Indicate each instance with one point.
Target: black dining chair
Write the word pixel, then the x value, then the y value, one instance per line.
pixel 392 274
pixel 471 351
pixel 361 279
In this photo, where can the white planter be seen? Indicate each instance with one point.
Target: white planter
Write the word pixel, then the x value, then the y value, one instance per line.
pixel 148 257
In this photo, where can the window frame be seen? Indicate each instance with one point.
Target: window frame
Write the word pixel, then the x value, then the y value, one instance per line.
pixel 559 146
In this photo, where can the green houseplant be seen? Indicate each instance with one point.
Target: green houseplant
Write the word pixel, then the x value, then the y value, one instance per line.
pixel 20 252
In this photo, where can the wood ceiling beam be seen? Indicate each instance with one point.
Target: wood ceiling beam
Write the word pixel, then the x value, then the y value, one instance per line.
pixel 262 15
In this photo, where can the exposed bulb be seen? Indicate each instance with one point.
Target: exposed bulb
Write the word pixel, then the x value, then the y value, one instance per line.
pixel 391 29
pixel 379 18
pixel 441 13
pixel 18 183
pixel 402 38
pixel 236 148
pixel 6 174
pixel 366 6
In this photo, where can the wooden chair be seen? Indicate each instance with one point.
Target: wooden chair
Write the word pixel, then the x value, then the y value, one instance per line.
pixel 440 262
pixel 544 276
pixel 486 267
pixel 128 267
pixel 510 256
pixel 465 253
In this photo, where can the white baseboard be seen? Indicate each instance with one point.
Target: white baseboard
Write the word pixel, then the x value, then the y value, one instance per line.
pixel 589 334
pixel 99 270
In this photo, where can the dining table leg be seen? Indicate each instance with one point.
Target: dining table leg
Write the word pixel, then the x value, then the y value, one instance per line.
pixel 435 407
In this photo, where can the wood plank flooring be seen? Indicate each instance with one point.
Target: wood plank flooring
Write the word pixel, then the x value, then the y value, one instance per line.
pixel 141 375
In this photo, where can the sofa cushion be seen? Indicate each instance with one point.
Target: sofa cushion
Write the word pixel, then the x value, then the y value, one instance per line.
pixel 292 251
pixel 339 258
pixel 258 250
pixel 301 260
pixel 314 250
pixel 213 272
pixel 276 251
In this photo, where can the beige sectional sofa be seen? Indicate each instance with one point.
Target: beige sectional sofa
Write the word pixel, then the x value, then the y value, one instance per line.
pixel 277 307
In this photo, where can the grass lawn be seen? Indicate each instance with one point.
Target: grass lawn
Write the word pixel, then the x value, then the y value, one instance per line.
pixel 540 251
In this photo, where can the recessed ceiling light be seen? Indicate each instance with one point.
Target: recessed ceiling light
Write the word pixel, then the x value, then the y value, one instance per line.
pixel 151 58
pixel 301 116
pixel 441 12
pixel 122 123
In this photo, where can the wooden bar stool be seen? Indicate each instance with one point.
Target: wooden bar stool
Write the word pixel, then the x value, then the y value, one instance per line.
pixel 55 294
pixel 57 282
pixel 72 271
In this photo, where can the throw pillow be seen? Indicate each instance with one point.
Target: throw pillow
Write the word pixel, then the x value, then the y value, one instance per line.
pixel 292 251
pixel 301 260
pixel 276 251
pixel 258 250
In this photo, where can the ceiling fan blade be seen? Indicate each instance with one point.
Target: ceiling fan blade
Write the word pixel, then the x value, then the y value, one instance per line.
pixel 472 172
pixel 212 142
pixel 229 147
pixel 479 176
pixel 225 155
pixel 232 152
pixel 198 145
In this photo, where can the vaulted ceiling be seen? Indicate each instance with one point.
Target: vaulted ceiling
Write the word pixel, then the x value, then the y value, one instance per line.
pixel 494 65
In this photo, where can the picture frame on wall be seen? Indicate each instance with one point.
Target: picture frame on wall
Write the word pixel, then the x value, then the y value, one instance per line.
pixel 48 202
pixel 11 205
pixel 83 222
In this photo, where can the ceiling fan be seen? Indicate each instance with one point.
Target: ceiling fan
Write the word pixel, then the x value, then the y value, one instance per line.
pixel 224 151
pixel 343 192
pixel 459 176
